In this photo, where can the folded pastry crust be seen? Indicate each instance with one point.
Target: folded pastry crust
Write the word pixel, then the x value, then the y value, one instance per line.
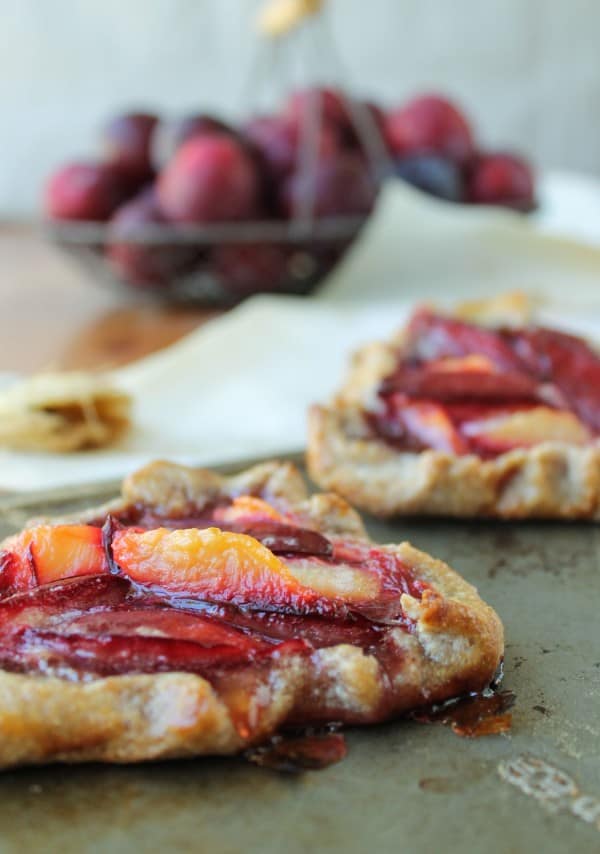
pixel 63 412
pixel 455 646
pixel 553 480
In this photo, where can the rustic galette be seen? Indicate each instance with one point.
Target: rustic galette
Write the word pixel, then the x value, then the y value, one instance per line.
pixel 201 614
pixel 455 418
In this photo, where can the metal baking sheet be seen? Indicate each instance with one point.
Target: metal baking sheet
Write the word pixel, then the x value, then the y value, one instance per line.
pixel 404 787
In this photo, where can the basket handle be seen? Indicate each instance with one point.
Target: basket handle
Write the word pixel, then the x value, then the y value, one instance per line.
pixel 278 17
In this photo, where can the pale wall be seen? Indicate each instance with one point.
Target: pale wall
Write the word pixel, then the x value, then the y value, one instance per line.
pixel 527 69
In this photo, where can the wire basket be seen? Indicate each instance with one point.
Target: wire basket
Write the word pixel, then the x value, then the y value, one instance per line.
pixel 216 265
pixel 221 263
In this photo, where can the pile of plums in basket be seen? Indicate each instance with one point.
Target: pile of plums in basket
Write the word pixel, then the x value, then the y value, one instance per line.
pixel 201 170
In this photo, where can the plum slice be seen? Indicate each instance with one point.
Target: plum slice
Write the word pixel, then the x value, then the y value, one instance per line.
pixel 569 363
pixel 464 388
pixel 247 508
pixel 47 553
pixel 64 600
pixel 110 655
pixel 155 620
pixel 433 336
pixel 197 569
pixel 16 571
pixel 223 567
pixel 277 531
pixel 211 564
pixel 544 355
pixel 66 550
pixel 202 601
pixel 502 432
pixel 430 424
pixel 100 625
pixel 416 425
pixel 288 539
pixel 459 378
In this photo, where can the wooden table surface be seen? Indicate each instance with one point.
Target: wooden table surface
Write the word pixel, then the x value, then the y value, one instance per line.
pixel 54 314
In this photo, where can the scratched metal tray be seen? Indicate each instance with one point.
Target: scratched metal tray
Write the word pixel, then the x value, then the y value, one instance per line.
pixel 404 787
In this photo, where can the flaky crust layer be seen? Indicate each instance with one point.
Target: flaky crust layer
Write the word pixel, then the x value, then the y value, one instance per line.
pixel 552 480
pixel 455 647
pixel 549 481
pixel 63 412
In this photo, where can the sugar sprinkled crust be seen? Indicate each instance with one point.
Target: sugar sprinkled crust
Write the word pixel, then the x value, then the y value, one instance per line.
pixel 456 646
pixel 553 480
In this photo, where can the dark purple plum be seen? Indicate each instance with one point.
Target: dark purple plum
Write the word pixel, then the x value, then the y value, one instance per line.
pixel 342 186
pixel 143 264
pixel 430 123
pixel 212 178
pixel 126 142
pixel 169 136
pixel 501 179
pixel 83 191
pixel 433 174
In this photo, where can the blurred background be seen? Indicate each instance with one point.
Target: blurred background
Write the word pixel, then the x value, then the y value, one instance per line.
pixel 526 72
pixel 165 161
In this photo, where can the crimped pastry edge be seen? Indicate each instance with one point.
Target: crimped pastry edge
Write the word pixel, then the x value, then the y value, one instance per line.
pixel 551 480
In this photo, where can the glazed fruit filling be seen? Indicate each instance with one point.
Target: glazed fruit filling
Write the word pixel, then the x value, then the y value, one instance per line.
pixel 244 584
pixel 466 389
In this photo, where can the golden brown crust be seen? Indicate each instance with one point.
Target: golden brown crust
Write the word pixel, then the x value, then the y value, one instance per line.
pixel 552 480
pixel 456 646
pixel 177 490
pixel 133 718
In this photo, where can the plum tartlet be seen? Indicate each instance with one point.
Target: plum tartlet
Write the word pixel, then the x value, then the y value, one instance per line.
pixel 455 418
pixel 200 614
